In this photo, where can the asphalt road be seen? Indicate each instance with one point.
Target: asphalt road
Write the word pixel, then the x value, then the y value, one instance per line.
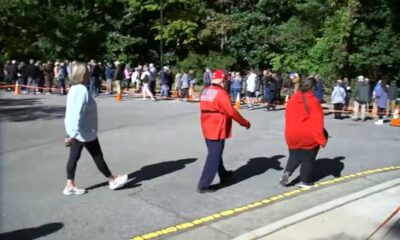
pixel 160 146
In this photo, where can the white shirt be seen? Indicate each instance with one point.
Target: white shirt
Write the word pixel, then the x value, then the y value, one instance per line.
pixel 251 82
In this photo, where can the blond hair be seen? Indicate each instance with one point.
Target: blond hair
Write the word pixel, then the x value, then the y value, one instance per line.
pixel 80 74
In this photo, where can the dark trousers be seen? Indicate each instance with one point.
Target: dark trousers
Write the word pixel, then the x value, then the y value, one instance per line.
pixel 94 149
pixel 271 100
pixel 338 107
pixel 213 163
pixel 306 158
pixel 381 112
pixel 94 86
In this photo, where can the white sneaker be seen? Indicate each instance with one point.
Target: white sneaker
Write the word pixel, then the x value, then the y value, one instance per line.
pixel 73 191
pixel 379 122
pixel 118 182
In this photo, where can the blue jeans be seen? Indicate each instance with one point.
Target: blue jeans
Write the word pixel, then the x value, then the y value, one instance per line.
pixel 266 94
pixel 164 91
pixel 234 93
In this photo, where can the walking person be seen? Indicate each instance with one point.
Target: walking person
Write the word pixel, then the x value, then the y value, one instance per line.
pixel 380 95
pixel 164 81
pixel 145 78
pixel 304 132
pixel 81 127
pixel 217 113
pixel 338 99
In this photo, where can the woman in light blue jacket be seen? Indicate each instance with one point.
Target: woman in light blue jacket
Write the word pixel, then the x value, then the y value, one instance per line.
pixel 81 127
pixel 338 98
pixel 380 95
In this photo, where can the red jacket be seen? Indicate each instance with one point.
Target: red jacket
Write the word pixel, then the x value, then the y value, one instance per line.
pixel 304 130
pixel 217 113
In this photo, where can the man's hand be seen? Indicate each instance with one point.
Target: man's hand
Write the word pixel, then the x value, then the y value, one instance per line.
pixel 248 125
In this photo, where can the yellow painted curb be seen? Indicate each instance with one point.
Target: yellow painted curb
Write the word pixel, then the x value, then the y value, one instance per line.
pixel 247 207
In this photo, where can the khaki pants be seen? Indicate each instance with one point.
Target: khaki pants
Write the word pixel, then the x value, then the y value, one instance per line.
pixel 390 107
pixel 357 108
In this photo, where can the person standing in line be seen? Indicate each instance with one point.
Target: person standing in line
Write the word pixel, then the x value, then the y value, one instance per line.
pixel 272 92
pixel 177 82
pixel 380 95
pixel 319 89
pixel 81 127
pixel 217 113
pixel 153 78
pixel 347 89
pixel 207 77
pixel 109 74
pixel 135 78
pixel 145 78
pixel 164 80
pixel 304 132
pixel 128 76
pixel 266 79
pixel 392 97
pixel 361 98
pixel 13 72
pixel 251 84
pixel 94 78
pixel 118 76
pixel 236 84
pixel 184 84
pixel 338 97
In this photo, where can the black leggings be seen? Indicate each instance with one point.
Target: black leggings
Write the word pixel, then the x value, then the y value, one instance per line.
pixel 306 158
pixel 94 149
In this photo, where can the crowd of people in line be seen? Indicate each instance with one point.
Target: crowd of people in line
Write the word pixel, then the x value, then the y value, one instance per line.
pixel 47 77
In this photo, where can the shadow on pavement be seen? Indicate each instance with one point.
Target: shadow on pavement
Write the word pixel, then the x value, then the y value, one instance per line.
pixel 32 233
pixel 21 110
pixel 10 102
pixel 255 166
pixel 151 171
pixel 324 167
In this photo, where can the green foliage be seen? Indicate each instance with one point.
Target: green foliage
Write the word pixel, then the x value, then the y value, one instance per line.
pixel 335 38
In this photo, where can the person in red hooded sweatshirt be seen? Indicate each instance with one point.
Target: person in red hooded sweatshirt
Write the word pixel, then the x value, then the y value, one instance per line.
pixel 304 132
pixel 217 113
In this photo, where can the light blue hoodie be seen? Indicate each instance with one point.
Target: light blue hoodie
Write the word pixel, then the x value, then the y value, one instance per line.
pixel 338 95
pixel 81 114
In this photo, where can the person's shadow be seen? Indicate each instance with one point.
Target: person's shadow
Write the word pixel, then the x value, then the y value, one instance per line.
pixel 324 167
pixel 255 166
pixel 32 233
pixel 150 171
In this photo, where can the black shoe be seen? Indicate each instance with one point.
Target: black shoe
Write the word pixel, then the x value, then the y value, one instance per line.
pixel 206 190
pixel 227 176
pixel 285 179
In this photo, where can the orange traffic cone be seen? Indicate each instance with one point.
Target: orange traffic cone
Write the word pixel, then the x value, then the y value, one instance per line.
pixel 237 102
pixel 190 97
pixel 395 120
pixel 118 97
pixel 17 90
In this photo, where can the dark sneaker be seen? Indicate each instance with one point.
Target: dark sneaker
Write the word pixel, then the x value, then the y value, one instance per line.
pixel 284 180
pixel 206 190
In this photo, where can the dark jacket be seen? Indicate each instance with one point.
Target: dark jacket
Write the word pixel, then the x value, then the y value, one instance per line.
pixel 362 92
pixel 319 90
pixel 30 70
pixel 13 71
pixel 109 73
pixel 392 92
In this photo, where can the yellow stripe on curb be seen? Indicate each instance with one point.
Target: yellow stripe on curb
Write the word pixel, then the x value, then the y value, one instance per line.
pixel 247 207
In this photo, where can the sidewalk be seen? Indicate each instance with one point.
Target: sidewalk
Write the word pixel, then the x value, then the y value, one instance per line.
pixel 355 216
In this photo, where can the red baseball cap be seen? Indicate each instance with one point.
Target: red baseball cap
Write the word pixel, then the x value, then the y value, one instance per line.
pixel 219 74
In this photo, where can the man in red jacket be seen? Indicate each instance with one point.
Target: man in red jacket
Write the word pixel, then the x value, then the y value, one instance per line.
pixel 304 132
pixel 217 113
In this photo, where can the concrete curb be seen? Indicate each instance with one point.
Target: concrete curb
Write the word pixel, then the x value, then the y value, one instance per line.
pixel 325 207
